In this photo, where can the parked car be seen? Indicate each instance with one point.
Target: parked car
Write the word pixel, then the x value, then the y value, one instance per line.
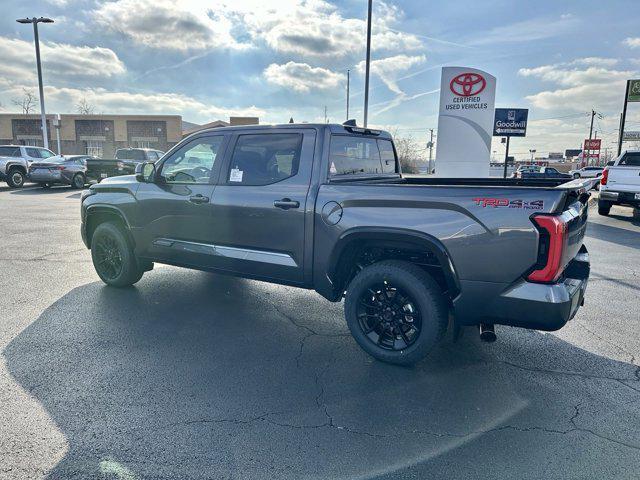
pixel 326 207
pixel 620 183
pixel 586 172
pixel 17 158
pixel 63 171
pixel 124 163
pixel 525 168
pixel 546 172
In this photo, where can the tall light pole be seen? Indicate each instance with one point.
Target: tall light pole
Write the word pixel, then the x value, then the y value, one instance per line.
pixel 35 22
pixel 348 91
pixel 367 66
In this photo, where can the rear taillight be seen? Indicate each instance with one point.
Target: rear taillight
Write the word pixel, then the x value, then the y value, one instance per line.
pixel 553 241
pixel 605 177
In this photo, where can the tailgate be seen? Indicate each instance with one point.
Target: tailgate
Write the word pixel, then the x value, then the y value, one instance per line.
pixel 102 168
pixel 624 179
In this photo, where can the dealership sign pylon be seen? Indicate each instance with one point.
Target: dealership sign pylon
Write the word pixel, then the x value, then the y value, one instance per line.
pixel 465 122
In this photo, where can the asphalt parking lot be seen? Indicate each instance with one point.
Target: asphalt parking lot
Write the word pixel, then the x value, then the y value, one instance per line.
pixel 194 375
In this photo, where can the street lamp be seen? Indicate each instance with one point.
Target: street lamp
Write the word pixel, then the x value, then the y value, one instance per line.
pixel 532 152
pixel 35 22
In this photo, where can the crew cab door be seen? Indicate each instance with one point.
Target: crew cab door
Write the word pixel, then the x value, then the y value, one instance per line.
pixel 173 213
pixel 260 202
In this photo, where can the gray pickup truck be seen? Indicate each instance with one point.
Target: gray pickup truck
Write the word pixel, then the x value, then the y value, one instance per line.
pixel 326 207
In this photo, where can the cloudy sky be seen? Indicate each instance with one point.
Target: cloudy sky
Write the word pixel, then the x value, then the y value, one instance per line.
pixel 210 59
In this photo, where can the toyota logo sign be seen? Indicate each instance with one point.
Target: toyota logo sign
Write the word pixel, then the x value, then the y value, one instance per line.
pixel 467 84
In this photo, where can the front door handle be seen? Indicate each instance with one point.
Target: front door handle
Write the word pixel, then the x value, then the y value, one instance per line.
pixel 198 199
pixel 286 204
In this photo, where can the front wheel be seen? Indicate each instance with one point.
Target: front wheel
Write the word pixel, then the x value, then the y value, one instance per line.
pixel 15 178
pixel 395 311
pixel 113 257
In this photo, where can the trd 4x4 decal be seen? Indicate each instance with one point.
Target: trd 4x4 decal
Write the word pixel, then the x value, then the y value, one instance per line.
pixel 505 202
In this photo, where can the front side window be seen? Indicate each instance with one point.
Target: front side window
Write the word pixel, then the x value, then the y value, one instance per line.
pixel 193 162
pixel 265 158
pixel 351 155
pixel 44 153
pixel 33 152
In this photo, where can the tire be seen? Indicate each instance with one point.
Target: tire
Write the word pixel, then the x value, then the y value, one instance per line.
pixel 78 181
pixel 576 176
pixel 428 307
pixel 604 208
pixel 15 178
pixel 113 257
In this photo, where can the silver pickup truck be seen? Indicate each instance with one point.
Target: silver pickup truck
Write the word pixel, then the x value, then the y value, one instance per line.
pixel 326 207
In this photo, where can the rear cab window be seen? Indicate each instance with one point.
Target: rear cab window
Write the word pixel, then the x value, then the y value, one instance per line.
pixel 352 155
pixel 630 160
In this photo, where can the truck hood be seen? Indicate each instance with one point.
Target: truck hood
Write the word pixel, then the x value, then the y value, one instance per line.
pixel 119 180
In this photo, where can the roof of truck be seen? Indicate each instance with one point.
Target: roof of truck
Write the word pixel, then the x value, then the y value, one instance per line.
pixel 332 127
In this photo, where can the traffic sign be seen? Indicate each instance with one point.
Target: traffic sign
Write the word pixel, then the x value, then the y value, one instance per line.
pixel 510 122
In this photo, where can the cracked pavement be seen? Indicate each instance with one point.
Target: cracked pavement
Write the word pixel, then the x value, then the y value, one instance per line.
pixel 194 375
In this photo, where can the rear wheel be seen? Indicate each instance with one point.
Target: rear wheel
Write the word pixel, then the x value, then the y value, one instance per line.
pixel 604 207
pixel 78 181
pixel 113 257
pixel 15 178
pixel 396 311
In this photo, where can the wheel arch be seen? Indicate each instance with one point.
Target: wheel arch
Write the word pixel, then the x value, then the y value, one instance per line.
pixel 352 241
pixel 97 214
pixel 16 165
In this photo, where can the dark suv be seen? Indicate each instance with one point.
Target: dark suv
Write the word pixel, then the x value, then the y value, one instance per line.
pixel 326 207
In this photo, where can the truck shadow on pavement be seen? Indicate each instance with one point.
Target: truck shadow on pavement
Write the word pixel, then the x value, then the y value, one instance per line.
pixel 191 375
pixel 610 233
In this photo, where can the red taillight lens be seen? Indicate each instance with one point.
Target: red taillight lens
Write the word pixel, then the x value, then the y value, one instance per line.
pixel 605 177
pixel 553 240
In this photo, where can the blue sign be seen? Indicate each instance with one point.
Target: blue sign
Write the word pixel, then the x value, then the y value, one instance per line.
pixel 510 122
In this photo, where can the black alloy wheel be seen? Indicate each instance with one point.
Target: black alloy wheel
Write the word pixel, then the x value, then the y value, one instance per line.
pixel 108 258
pixel 389 316
pixel 77 181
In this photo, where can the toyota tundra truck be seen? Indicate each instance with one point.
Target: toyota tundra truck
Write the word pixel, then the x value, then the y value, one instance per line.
pixel 620 183
pixel 326 207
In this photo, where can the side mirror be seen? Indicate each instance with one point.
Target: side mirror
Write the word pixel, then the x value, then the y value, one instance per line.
pixel 145 172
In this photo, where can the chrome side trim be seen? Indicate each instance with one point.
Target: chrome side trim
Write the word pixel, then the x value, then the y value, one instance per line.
pixel 250 255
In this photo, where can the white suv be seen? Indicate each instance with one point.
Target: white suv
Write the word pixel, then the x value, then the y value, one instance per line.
pixel 15 161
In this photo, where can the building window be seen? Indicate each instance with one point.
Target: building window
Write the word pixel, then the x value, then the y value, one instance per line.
pixel 94 148
pixel 143 144
pixel 32 142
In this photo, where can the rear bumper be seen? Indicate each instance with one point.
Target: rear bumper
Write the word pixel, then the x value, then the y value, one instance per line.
pixel 621 198
pixel 525 304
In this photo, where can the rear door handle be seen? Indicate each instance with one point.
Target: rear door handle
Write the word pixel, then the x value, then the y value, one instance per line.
pixel 198 199
pixel 286 204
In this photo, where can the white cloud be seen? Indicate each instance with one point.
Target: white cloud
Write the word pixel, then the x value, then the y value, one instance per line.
pixel 595 61
pixel 303 27
pixel 177 25
pixel 581 89
pixel 632 42
pixel 58 60
pixel 527 30
pixel 302 77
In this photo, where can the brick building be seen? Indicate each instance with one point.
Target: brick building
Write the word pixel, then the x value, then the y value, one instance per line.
pixel 98 135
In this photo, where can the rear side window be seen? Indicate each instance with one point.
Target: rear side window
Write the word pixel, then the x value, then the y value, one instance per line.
pixel 351 155
pixel 265 158
pixel 9 152
pixel 630 160
pixel 130 154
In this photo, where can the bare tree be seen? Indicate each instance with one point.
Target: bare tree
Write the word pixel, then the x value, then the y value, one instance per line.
pixel 27 102
pixel 85 108
pixel 409 153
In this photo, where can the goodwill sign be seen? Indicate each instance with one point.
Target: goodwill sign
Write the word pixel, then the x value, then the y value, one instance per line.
pixel 465 123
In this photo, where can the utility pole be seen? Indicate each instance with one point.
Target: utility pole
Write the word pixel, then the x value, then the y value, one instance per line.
pixel 35 21
pixel 430 145
pixel 586 162
pixel 348 86
pixel 368 66
pixel 623 117
pixel 506 157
